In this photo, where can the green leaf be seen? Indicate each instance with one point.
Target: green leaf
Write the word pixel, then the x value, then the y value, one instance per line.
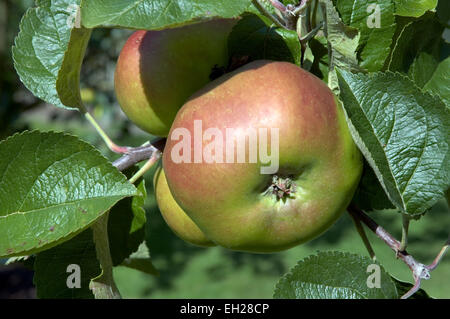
pixel 404 287
pixel 308 58
pixel 343 43
pixel 422 69
pixel 403 134
pixel 68 81
pixel 140 260
pixel 335 275
pixel 39 49
pixel 319 49
pixel 370 195
pixel 266 5
pixel 343 40
pixel 52 186
pixel 103 286
pixel 52 271
pixel 254 37
pixel 439 83
pixel 414 8
pixel 16 259
pixel 443 11
pixel 156 14
pixel 413 36
pixel 376 24
pixel 126 223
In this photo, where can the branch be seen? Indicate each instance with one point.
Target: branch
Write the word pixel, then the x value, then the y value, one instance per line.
pixel 278 5
pixel 419 270
pixel 439 257
pixel 139 154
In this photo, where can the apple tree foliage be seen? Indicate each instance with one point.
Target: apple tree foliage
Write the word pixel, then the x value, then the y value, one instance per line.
pixel 62 202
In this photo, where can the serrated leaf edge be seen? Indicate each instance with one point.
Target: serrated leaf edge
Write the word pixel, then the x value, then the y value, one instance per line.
pixel 366 152
pixel 327 253
pixel 76 231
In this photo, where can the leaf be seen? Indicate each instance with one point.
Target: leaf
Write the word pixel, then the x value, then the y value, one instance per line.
pixel 319 49
pixel 412 37
pixel 140 260
pixel 52 271
pixel 308 58
pixel 103 286
pixel 414 8
pixel 422 69
pixel 443 11
pixel 266 5
pixel 439 83
pixel 334 275
pixel 343 42
pixel 370 195
pixel 39 48
pixel 156 14
pixel 404 287
pixel 126 223
pixel 16 259
pixel 68 81
pixel 376 24
pixel 404 135
pixel 52 187
pixel 254 37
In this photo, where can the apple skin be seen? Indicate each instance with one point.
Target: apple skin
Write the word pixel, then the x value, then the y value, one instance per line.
pixel 228 201
pixel 157 71
pixel 173 214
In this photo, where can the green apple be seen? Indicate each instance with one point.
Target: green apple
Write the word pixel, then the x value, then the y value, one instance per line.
pixel 262 203
pixel 157 71
pixel 173 214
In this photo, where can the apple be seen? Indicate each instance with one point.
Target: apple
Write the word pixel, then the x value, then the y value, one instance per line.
pixel 157 71
pixel 173 214
pixel 302 177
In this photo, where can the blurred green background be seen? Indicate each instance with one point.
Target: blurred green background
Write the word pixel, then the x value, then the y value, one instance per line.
pixel 187 271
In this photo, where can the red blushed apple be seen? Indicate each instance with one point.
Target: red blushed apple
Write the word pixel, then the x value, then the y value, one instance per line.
pixel 175 217
pixel 157 71
pixel 249 206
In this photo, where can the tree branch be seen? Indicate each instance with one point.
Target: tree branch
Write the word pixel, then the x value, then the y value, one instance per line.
pixel 419 270
pixel 139 154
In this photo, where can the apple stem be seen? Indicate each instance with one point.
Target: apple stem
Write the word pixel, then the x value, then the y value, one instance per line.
pixel 152 161
pixel 419 270
pixel 111 145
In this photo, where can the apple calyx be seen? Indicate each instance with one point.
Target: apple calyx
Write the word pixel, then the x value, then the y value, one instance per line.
pixel 282 187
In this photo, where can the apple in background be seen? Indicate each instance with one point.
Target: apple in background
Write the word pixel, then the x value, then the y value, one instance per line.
pixel 175 217
pixel 236 205
pixel 157 71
